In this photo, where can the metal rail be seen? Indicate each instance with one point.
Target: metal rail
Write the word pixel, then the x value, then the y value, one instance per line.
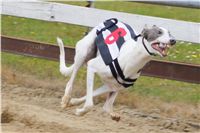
pixel 161 69
pixel 34 49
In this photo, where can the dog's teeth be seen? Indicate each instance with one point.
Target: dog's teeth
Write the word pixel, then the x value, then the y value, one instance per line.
pixel 168 46
pixel 164 53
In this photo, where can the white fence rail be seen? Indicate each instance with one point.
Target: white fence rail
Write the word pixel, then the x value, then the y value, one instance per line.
pixel 56 12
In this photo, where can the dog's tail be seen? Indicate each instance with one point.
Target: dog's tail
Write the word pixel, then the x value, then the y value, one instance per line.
pixel 66 71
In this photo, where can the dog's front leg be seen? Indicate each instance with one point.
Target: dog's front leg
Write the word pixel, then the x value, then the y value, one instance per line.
pixel 108 106
pixel 89 95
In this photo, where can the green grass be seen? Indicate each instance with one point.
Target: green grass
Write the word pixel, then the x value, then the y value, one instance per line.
pixel 178 13
pixel 166 90
pixel 41 30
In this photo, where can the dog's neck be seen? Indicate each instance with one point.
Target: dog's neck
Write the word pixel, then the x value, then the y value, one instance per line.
pixel 135 58
pixel 143 56
pixel 144 49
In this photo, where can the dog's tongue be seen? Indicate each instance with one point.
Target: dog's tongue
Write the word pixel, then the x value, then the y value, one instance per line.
pixel 163 51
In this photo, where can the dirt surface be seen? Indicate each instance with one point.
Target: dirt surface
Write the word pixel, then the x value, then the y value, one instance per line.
pixel 32 110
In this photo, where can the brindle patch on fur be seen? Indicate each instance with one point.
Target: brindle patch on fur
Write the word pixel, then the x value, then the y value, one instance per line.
pixel 152 33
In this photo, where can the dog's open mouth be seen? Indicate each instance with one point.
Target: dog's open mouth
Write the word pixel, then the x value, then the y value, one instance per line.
pixel 162 48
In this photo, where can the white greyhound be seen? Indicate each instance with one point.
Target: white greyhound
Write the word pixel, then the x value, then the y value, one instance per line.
pixel 133 56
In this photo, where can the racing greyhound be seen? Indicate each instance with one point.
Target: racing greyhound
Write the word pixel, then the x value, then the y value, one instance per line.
pixel 133 54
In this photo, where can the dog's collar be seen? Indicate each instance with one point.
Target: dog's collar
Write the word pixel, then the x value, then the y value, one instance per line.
pixel 152 54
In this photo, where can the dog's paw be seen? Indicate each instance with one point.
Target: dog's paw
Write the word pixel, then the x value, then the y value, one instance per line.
pixel 115 116
pixel 65 101
pixel 82 111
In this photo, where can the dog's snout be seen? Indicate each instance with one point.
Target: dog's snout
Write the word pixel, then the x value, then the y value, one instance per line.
pixel 172 41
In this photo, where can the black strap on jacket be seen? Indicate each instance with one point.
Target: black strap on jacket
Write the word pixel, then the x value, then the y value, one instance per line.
pixel 108 26
pixel 119 75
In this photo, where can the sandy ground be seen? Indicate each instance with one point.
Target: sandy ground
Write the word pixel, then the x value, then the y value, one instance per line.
pixel 33 110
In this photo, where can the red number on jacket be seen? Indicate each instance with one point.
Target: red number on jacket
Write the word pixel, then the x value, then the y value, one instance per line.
pixel 114 36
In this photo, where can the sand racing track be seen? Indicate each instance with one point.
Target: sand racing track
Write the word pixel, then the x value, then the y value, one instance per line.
pixel 33 110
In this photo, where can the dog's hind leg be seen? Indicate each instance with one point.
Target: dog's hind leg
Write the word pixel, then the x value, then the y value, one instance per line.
pixel 66 71
pixel 101 90
pixel 79 60
pixel 83 49
pixel 67 96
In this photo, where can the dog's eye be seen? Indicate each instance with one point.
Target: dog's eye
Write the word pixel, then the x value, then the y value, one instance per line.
pixel 159 32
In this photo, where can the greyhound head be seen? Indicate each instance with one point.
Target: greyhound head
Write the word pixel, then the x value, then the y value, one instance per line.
pixel 159 39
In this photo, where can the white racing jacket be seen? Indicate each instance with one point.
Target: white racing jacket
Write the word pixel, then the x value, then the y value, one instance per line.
pixel 111 35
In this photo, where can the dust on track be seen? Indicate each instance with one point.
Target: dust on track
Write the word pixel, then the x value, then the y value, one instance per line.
pixel 32 110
